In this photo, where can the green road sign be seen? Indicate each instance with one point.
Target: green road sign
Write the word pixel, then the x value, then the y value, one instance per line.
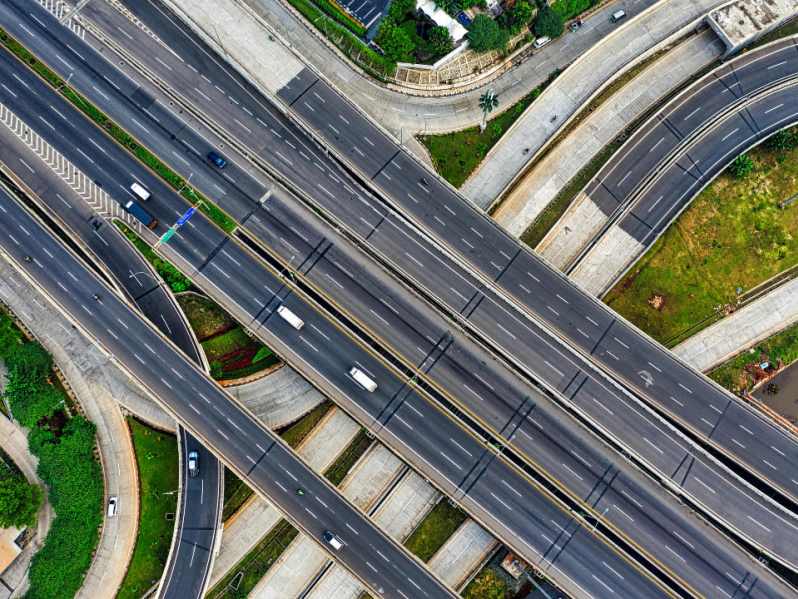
pixel 167 236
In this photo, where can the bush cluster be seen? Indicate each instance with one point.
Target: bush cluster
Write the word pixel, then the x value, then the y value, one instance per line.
pixel 67 465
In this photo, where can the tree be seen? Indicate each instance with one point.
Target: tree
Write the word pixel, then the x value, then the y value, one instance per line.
pixel 399 8
pixel 31 361
pixel 441 40
pixel 450 7
pixel 19 503
pixel 484 34
pixel 394 41
pixel 549 23
pixel 514 19
pixel 487 102
pixel 30 402
pixel 9 336
pixel 741 166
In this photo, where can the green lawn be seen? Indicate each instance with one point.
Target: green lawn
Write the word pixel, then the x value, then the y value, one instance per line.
pixel 733 236
pixel 236 492
pixel 217 348
pixel 255 565
pixel 340 468
pixel 732 375
pixel 457 154
pixel 204 315
pixel 435 530
pixel 487 585
pixel 156 454
pixel 294 435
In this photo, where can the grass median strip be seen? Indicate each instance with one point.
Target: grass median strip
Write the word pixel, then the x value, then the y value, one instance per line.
pixel 156 456
pixel 341 467
pixel 435 529
pixel 165 172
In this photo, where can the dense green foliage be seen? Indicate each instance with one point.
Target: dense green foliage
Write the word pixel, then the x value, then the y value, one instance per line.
pixel 263 353
pixel 570 8
pixel 30 396
pixel 514 19
pixel 394 41
pixel 450 7
pixel 9 335
pixel 67 465
pixel 19 503
pixel 441 40
pixel 549 23
pixel 485 34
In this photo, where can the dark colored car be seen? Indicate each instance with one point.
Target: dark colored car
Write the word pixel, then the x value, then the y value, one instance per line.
pixel 193 464
pixel 217 159
pixel 464 19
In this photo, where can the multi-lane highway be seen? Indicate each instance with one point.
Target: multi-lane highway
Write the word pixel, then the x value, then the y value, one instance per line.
pixel 525 281
pixel 134 277
pixel 683 147
pixel 521 516
pixel 214 417
pixel 533 449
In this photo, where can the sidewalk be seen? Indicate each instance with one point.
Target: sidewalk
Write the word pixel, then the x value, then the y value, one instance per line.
pixel 535 192
pixel 741 330
pixel 231 24
pixel 619 52
pixel 82 367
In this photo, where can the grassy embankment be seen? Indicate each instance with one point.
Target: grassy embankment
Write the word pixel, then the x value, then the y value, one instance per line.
pixel 729 240
pixel 157 459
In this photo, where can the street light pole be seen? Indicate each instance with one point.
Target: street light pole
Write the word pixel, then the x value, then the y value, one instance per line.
pixel 530 579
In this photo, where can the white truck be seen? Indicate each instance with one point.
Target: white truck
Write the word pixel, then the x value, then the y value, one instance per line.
pixel 362 379
pixel 290 317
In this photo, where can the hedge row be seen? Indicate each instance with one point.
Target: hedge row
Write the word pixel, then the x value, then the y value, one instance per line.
pixel 570 8
pixel 345 41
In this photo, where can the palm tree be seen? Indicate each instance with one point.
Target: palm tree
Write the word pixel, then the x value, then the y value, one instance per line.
pixel 487 102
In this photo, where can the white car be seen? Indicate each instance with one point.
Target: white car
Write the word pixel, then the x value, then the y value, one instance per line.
pixel 112 505
pixel 193 464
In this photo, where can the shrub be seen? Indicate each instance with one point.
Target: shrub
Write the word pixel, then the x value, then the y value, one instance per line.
pixel 514 19
pixel 741 166
pixel 216 370
pixel 450 7
pixel 19 503
pixel 441 40
pixel 485 34
pixel 779 142
pixel 29 394
pixel 570 8
pixel 9 336
pixel 549 23
pixel 263 353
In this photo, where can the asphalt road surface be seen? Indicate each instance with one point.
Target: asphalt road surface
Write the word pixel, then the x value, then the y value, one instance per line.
pixel 269 465
pixel 299 242
pixel 700 108
pixel 394 410
pixel 457 289
pixel 133 275
pixel 686 398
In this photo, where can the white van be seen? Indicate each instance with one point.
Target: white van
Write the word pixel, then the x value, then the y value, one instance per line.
pixel 333 541
pixel 290 317
pixel 541 41
pixel 362 379
pixel 140 192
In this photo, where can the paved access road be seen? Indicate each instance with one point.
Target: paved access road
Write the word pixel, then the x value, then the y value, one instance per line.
pixel 397 413
pixel 682 395
pixel 655 443
pixel 273 469
pixel 720 108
